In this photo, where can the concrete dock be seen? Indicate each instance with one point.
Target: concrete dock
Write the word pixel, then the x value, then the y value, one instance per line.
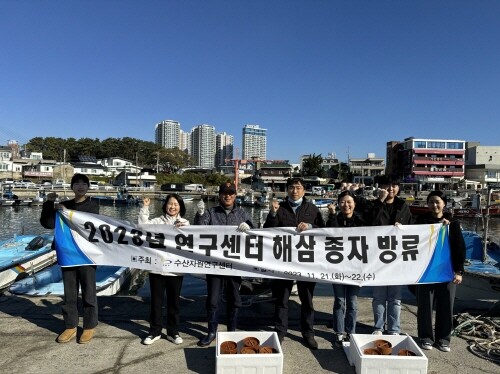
pixel 29 327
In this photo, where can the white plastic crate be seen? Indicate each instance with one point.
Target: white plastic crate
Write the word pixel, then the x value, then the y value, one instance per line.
pixel 261 363
pixel 382 364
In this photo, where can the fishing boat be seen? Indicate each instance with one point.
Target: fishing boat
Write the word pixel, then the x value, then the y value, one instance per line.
pixel 481 278
pixel 115 201
pixel 23 255
pixel 109 281
pixel 263 201
pixel 39 199
pixel 322 203
pixel 248 200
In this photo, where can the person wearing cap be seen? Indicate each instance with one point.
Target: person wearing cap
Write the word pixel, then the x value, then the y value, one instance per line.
pixel 227 213
pixel 440 294
pixel 388 209
pixel 295 211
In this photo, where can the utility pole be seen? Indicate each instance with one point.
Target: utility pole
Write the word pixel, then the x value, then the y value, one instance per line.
pixel 136 167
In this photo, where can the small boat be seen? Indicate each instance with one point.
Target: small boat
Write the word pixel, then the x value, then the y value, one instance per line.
pixel 248 200
pixel 109 281
pixel 115 201
pixel 39 199
pixel 263 201
pixel 23 255
pixel 322 203
pixel 481 278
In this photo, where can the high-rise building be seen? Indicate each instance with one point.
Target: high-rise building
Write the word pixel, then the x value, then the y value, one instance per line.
pixel 254 142
pixel 203 146
pixel 223 148
pixel 167 133
pixel 185 141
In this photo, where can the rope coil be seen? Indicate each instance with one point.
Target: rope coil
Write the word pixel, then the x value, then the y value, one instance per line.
pixel 482 334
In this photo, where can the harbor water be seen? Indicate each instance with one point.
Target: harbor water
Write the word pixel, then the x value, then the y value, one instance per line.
pixel 25 220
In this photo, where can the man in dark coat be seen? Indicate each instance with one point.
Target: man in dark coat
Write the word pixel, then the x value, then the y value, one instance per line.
pixel 294 211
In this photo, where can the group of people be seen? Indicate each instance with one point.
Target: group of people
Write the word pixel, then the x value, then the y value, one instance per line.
pixel 296 211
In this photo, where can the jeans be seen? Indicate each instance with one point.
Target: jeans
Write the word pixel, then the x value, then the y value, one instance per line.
pixel 387 299
pixel 345 308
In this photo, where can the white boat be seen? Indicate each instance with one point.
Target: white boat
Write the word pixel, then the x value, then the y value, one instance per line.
pixel 39 199
pixel 249 199
pixel 23 255
pixel 322 203
pixel 109 281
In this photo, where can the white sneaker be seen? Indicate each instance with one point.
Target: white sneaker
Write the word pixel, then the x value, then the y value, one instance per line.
pixel 176 339
pixel 377 332
pixel 444 348
pixel 427 346
pixel 150 339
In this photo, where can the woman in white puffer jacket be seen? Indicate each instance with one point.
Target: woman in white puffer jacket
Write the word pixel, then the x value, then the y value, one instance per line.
pixel 161 283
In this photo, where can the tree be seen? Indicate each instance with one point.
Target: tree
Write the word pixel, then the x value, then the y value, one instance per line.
pixel 311 166
pixel 173 159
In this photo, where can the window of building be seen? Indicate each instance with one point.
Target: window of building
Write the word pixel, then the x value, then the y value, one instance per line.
pixel 455 145
pixel 436 145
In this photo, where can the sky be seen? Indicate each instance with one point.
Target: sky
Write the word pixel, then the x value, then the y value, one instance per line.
pixel 342 77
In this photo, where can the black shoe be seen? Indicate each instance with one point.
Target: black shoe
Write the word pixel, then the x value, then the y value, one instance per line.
pixel 207 340
pixel 280 339
pixel 310 341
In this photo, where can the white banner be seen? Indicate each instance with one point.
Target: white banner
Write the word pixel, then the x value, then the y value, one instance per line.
pixel 381 255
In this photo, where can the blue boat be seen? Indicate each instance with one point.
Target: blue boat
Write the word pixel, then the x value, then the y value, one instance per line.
pixel 109 280
pixel 23 255
pixel 322 203
pixel 481 279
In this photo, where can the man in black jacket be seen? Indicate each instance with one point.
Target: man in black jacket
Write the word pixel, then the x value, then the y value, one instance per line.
pixel 295 211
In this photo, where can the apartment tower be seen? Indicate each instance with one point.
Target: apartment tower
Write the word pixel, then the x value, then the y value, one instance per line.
pixel 254 142
pixel 203 146
pixel 167 134
pixel 223 148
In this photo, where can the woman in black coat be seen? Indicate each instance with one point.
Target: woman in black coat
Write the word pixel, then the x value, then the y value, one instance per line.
pixel 442 293
pixel 345 305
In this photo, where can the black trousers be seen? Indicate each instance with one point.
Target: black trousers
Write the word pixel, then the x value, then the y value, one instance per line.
pixel 215 284
pixel 281 292
pixel 443 296
pixel 159 286
pixel 74 278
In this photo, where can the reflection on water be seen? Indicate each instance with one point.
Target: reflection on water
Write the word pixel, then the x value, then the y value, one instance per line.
pixel 25 220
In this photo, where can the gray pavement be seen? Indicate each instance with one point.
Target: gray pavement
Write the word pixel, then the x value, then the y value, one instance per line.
pixel 29 326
